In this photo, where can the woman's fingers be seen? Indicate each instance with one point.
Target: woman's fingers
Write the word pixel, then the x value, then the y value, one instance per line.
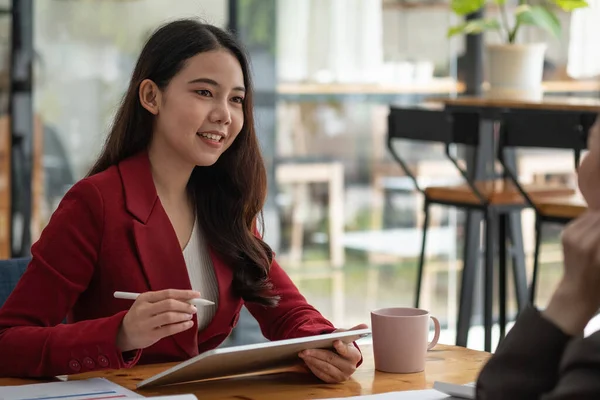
pixel 324 371
pixel 169 305
pixel 155 315
pixel 169 318
pixel 177 294
pixel 173 329
pixel 331 358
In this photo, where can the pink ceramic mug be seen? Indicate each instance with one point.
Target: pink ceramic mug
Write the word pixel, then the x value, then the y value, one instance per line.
pixel 400 339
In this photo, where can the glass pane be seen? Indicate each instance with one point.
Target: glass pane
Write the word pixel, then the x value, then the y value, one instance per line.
pixel 86 51
pixel 5 142
pixel 340 65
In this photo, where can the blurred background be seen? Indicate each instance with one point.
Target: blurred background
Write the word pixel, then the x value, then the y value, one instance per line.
pixel 343 219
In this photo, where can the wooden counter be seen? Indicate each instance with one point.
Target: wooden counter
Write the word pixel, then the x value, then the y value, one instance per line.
pixel 444 363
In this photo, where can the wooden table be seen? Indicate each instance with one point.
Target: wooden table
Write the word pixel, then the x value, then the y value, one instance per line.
pixel 434 86
pixel 482 166
pixel 576 104
pixel 444 363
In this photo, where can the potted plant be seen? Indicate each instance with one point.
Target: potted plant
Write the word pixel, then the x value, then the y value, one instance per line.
pixel 515 70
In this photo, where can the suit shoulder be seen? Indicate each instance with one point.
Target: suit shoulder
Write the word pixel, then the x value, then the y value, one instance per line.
pixel 101 187
pixel 109 176
pixel 106 182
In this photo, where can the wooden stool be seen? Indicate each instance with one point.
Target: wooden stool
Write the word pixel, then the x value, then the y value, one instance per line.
pixel 559 210
pixel 498 192
pixel 549 130
pixel 301 169
pixel 301 174
pixel 562 208
pixel 495 199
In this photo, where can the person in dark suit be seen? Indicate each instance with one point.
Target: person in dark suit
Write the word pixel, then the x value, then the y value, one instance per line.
pixel 169 210
pixel 545 355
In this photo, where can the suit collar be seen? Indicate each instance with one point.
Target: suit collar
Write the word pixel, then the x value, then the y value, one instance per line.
pixel 155 239
pixel 159 252
pixel 138 185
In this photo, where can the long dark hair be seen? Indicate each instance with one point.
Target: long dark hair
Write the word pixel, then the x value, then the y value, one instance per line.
pixel 230 194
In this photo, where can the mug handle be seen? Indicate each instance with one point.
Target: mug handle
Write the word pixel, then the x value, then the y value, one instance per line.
pixel 436 335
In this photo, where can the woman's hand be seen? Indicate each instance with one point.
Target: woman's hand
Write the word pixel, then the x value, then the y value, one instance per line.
pixel 577 297
pixel 155 315
pixel 330 366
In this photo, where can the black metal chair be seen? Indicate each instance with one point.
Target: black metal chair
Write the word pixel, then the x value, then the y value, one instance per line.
pixel 493 198
pixel 10 272
pixel 550 130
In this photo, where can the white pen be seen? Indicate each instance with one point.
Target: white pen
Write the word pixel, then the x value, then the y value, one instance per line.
pixel 133 296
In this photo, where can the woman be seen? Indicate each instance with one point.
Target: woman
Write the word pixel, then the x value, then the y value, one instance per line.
pixel 168 210
pixel 544 356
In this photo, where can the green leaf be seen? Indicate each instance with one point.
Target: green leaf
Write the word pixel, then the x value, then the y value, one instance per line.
pixel 570 5
pixel 464 7
pixel 500 2
pixel 539 16
pixel 474 26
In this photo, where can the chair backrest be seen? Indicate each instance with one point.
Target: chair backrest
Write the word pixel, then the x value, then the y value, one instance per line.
pixel 10 273
pixel 566 130
pixel 434 125
pixel 544 129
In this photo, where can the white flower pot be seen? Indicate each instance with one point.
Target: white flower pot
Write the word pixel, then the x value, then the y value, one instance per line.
pixel 515 71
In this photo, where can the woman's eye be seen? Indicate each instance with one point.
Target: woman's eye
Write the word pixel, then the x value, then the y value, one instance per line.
pixel 238 99
pixel 204 92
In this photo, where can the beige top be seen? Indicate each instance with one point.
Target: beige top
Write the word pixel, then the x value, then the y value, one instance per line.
pixel 202 275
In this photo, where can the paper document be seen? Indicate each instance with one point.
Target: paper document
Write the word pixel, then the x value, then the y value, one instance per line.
pixel 459 391
pixel 89 389
pixel 441 390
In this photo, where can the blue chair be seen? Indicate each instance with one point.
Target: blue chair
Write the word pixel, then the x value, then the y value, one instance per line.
pixel 10 273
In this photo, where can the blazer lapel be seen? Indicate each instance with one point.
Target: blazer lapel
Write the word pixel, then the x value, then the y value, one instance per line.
pixel 155 239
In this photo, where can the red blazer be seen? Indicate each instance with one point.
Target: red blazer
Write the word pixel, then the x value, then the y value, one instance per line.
pixel 111 233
